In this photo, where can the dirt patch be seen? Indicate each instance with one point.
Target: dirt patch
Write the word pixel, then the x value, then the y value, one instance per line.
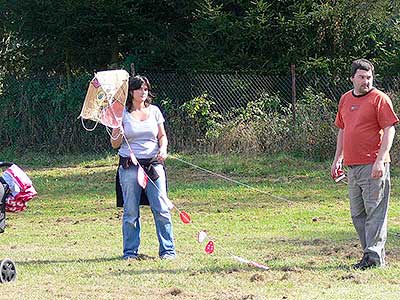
pixel 174 292
pixel 233 270
pixel 247 297
pixel 285 276
pixel 291 269
pixel 354 278
pixel 257 277
pixel 145 257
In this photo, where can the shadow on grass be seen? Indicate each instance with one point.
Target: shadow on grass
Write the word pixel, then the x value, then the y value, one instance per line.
pixel 237 269
pixel 66 261
pixel 141 268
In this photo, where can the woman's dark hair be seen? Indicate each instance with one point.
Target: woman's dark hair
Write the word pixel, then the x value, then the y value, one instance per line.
pixel 136 83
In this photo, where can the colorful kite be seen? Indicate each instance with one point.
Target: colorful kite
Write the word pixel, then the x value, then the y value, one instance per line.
pixel 105 98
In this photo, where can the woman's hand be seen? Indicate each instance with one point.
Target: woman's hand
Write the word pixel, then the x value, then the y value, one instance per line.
pixel 162 154
pixel 116 137
pixel 162 143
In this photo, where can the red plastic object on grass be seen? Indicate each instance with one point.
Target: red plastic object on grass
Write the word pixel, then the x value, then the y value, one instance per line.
pixel 209 247
pixel 185 217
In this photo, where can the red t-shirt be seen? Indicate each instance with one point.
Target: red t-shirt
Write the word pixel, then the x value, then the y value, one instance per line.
pixel 363 119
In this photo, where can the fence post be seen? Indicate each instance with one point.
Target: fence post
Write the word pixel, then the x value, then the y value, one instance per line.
pixel 293 72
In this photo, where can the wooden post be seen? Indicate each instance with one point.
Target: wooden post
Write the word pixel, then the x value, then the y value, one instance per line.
pixel 293 72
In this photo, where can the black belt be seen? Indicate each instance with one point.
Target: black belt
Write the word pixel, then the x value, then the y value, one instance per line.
pixel 147 164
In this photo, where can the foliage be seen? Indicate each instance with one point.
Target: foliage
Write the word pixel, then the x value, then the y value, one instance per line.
pixel 260 127
pixel 268 126
pixel 314 130
pixel 339 35
pixel 195 122
pixel 41 114
pixel 200 111
pixel 70 37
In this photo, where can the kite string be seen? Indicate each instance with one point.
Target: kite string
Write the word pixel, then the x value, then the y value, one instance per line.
pixel 110 134
pixel 164 197
pixel 238 258
pixel 89 129
pixel 228 179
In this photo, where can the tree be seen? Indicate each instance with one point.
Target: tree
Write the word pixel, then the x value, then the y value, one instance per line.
pixel 71 36
pixel 66 36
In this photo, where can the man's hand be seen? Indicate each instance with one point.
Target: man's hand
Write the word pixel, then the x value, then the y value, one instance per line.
pixel 377 169
pixel 337 172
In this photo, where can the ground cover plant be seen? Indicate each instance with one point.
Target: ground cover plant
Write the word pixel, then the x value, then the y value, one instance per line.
pixel 67 244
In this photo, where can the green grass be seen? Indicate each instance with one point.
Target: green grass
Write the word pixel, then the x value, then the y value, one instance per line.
pixel 68 243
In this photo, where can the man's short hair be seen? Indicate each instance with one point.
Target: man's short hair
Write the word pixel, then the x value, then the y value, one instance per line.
pixel 361 64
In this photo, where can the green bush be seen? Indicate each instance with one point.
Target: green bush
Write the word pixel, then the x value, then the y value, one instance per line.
pixel 267 126
pixel 260 127
pixel 314 127
pixel 194 124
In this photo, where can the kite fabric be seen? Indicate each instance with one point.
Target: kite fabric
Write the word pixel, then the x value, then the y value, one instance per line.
pixel 106 97
pixel 142 177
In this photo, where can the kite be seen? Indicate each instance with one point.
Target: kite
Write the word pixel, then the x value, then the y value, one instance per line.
pixel 105 98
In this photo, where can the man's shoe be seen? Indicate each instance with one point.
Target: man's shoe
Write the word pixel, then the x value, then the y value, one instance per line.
pixel 365 263
pixel 361 262
pixel 369 263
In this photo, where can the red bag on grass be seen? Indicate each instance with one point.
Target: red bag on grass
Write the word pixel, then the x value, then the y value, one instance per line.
pixel 21 188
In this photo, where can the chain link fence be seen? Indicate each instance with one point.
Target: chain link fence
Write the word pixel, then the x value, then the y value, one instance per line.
pixel 41 113
pixel 231 91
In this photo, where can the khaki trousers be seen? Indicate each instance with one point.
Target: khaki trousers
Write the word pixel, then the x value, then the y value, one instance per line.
pixel 369 203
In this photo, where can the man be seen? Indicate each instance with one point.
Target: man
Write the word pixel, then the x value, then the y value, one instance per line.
pixel 366 120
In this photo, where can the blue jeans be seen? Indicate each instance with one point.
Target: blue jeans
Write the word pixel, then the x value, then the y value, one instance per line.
pixel 131 191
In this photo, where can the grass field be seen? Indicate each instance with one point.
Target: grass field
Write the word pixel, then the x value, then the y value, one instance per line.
pixel 68 243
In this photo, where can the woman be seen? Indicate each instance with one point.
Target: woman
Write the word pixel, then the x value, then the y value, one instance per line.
pixel 143 127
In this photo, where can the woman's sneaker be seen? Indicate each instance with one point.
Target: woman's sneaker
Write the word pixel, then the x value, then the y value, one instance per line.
pixel 168 256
